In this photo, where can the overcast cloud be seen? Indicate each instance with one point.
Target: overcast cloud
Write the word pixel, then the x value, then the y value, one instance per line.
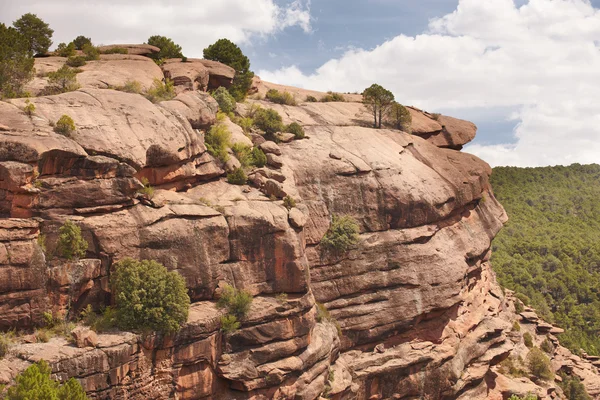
pixel 541 58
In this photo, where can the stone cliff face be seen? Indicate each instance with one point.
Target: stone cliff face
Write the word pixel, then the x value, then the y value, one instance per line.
pixel 415 308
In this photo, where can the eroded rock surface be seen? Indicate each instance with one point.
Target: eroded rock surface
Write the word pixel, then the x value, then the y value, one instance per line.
pixel 414 307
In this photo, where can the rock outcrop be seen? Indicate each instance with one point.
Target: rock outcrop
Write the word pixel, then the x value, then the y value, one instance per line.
pixel 414 309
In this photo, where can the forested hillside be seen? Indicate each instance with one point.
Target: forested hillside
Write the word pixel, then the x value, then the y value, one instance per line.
pixel 549 251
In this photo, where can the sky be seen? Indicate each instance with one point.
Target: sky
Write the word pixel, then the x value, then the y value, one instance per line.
pixel 527 72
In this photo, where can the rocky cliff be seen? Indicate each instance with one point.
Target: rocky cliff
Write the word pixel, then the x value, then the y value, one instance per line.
pixel 415 311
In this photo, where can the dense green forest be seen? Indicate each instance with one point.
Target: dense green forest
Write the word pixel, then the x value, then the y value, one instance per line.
pixel 549 251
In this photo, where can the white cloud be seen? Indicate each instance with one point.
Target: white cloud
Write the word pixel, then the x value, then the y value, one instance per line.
pixel 541 57
pixel 191 23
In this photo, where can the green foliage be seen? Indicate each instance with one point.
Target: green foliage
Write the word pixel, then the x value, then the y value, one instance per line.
pixel 549 251
pixel 65 125
pixel 217 140
pixel 275 96
pixel 311 99
pixel 61 81
pixel 115 50
pixel 148 297
pixel 539 364
pixel 76 61
pixel 547 346
pixel 322 313
pixel 519 307
pixel 131 87
pixel 168 48
pixel 81 41
pixel 36 32
pixel 237 302
pixel 527 397
pixel 29 108
pixel 513 367
pixel 225 99
pixel 296 129
pixel 332 97
pixel 41 240
pixel 400 117
pixel 516 327
pixel 436 116
pixel 268 120
pixel 342 234
pixel 289 202
pixel 16 62
pixel 228 53
pixel 65 50
pixel 161 91
pixel 237 177
pixel 147 190
pixel 573 388
pixel 243 153
pixel 70 242
pixel 528 339
pixel 4 345
pixel 229 323
pixel 259 158
pixel 91 52
pixel 43 335
pixel 378 100
pixel 246 123
pixel 35 383
pixel 99 322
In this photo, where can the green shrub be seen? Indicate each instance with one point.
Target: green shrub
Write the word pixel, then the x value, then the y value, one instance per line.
pixel 237 302
pixel 16 62
pixel 228 53
pixel 29 108
pixel 269 121
pixel 184 59
pixel 65 125
pixel 131 87
pixel 148 190
pixel 237 177
pixel 81 41
pixel 148 297
pixel 547 346
pixel 259 158
pixel 115 50
pixel 76 61
pixel 528 339
pixel 243 153
pixel 102 322
pixel 400 117
pixel 246 123
pixel 35 383
pixel 91 52
pixel 519 307
pixel 61 81
pixel 331 96
pixel 516 327
pixel 322 313
pixel 229 323
pixel 435 116
pixel 573 388
pixel 296 129
pixel 225 99
pixel 512 367
pixel 65 50
pixel 161 91
pixel 311 99
pixel 342 234
pixel 289 202
pixel 70 242
pixel 539 364
pixel 217 141
pixel 527 397
pixel 275 96
pixel 43 335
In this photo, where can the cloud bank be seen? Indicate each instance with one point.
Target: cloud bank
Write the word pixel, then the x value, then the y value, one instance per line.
pixel 191 23
pixel 541 58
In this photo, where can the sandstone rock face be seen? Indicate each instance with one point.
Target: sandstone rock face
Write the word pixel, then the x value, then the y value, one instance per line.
pixel 218 74
pixel 414 310
pixel 191 75
pixel 115 70
pixel 134 49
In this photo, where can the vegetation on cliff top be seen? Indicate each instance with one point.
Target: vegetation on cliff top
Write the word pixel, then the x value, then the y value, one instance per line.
pixel 549 251
pixel 35 383
pixel 228 53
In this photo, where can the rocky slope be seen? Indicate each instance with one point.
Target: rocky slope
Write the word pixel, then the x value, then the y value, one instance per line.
pixel 415 308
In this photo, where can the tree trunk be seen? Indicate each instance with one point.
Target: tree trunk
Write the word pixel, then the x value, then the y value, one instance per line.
pixel 375 116
pixel 380 112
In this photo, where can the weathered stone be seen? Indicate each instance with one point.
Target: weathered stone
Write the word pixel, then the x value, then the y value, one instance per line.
pixel 274 161
pixel 269 147
pixel 297 218
pixel 84 337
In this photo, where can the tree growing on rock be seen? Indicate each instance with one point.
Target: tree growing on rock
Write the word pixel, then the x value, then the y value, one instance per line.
pixel 148 297
pixel 61 81
pixel 228 53
pixel 70 242
pixel 378 100
pixel 36 32
pixel 35 383
pixel 81 41
pixel 16 62
pixel 400 117
pixel 168 48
